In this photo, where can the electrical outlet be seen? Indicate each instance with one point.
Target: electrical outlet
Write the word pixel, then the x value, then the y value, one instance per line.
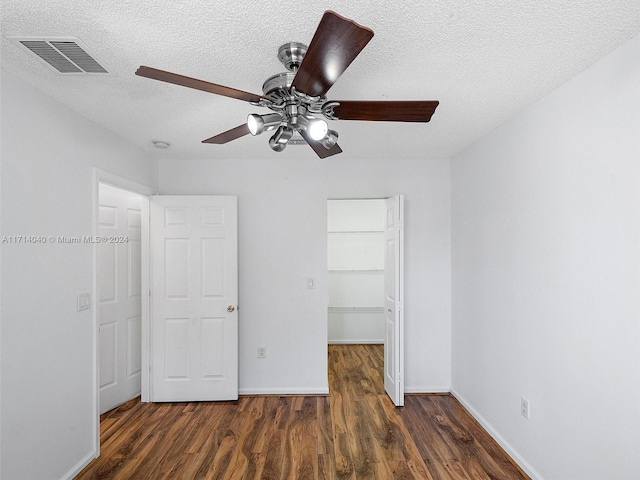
pixel 524 407
pixel 262 352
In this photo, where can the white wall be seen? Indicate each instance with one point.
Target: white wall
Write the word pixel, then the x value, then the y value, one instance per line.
pixel 546 276
pixel 48 153
pixel 282 204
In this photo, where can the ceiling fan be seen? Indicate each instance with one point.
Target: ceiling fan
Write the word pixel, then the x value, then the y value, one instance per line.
pixel 297 97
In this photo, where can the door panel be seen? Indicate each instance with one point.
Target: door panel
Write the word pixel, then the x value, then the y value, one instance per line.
pixel 212 334
pixel 119 300
pixel 176 261
pixel 194 319
pixel 394 298
pixel 108 357
pixel 134 340
pixel 176 345
pixel 135 268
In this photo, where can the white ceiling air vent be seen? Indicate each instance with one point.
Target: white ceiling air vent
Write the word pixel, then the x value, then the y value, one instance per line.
pixel 65 55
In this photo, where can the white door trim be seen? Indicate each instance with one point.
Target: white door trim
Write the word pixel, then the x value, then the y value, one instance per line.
pixel 102 176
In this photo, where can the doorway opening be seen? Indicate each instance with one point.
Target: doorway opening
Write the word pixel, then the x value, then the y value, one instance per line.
pixel 365 258
pixel 104 178
pixel 119 295
pixel 355 258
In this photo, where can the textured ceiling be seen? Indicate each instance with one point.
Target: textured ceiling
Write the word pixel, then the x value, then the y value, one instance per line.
pixel 483 60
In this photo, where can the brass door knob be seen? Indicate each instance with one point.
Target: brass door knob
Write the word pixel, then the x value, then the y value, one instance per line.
pixel 231 308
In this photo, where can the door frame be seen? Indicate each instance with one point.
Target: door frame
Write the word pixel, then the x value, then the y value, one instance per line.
pixel 105 177
pixel 401 366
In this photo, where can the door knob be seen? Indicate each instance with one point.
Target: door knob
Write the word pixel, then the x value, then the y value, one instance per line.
pixel 231 308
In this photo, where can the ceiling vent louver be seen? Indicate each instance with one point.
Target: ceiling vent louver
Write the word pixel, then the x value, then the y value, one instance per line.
pixel 65 55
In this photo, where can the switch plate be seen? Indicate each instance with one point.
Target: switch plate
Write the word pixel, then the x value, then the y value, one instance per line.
pixel 310 283
pixel 84 301
pixel 524 407
pixel 262 352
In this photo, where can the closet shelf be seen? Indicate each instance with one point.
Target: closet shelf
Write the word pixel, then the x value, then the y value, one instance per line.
pixel 376 271
pixel 356 309
pixel 362 232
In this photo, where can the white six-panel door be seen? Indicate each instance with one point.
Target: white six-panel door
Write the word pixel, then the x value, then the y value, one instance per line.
pixel 119 300
pixel 194 317
pixel 394 308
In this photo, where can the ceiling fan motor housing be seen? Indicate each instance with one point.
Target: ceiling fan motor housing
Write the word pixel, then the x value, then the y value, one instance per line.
pixel 282 98
pixel 278 86
pixel 291 55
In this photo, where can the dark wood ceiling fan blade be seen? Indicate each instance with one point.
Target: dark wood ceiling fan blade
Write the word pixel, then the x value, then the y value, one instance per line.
pixel 336 43
pixel 229 135
pixel 177 79
pixel 385 111
pixel 318 147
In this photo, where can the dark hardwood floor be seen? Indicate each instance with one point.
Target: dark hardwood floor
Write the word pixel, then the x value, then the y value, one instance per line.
pixel 354 433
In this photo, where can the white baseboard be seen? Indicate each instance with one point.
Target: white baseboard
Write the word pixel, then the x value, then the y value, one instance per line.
pixel 325 390
pixel 426 390
pixel 365 341
pixel 80 465
pixel 285 391
pixel 512 452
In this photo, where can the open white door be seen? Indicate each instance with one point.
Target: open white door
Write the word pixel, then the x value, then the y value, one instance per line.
pixel 394 298
pixel 194 315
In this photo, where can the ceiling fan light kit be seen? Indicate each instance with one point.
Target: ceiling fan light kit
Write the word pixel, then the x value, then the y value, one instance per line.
pixel 315 127
pixel 263 123
pixel 281 138
pixel 297 97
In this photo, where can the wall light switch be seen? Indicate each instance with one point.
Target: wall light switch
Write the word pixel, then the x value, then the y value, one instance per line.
pixel 310 283
pixel 524 408
pixel 84 301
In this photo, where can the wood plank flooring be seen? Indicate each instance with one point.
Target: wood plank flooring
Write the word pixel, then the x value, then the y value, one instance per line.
pixel 354 433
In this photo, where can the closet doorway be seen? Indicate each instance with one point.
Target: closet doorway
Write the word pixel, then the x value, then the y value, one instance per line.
pixel 366 280
pixel 355 257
